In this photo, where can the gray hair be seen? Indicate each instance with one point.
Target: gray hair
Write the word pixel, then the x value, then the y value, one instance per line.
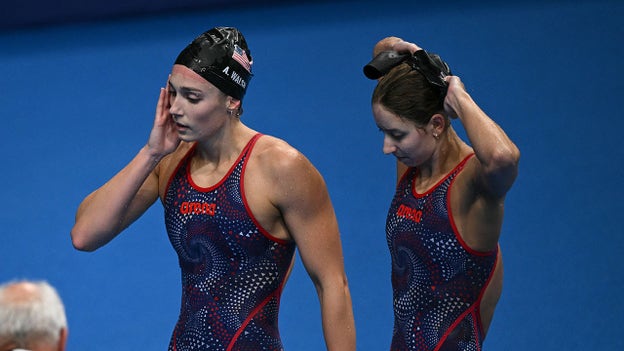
pixel 33 316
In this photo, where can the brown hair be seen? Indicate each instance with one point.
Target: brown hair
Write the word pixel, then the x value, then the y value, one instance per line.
pixel 406 93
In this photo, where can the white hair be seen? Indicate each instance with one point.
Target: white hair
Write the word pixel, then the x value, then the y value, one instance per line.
pixel 36 318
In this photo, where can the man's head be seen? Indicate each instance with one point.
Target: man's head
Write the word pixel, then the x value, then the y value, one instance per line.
pixel 32 317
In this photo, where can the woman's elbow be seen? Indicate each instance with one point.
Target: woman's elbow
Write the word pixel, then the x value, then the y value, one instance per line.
pixel 505 159
pixel 80 239
pixel 502 170
pixel 338 285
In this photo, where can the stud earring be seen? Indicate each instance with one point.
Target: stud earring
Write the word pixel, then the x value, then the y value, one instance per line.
pixel 233 113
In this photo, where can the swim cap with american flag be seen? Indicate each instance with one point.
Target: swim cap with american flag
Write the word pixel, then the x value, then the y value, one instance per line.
pixel 221 56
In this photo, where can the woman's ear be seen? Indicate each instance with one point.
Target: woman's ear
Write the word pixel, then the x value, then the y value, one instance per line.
pixel 232 103
pixel 438 124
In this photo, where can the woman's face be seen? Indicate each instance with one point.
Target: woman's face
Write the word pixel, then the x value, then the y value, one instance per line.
pixel 410 144
pixel 198 108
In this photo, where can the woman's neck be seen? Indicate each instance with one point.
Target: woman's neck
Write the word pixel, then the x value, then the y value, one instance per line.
pixel 449 152
pixel 224 146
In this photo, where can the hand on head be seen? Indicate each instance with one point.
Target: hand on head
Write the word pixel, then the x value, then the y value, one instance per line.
pixel 455 87
pixel 164 137
pixel 395 44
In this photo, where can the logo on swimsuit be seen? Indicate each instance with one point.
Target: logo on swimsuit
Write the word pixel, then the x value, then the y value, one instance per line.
pixel 412 214
pixel 198 208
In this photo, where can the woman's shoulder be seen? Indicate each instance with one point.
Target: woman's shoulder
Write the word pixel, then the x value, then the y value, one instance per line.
pixel 273 147
pixel 277 156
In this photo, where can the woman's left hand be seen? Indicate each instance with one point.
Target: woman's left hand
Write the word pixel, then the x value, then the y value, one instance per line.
pixel 455 87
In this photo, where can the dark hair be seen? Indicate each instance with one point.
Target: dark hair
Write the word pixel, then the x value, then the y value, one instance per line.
pixel 407 93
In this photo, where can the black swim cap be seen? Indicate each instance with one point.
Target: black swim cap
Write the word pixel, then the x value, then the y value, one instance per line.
pixel 220 56
pixel 430 65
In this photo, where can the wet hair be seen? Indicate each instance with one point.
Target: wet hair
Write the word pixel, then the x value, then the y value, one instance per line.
pixel 406 93
pixel 222 57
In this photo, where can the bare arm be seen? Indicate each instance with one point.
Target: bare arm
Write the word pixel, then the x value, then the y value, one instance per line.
pixel 310 218
pixel 125 197
pixel 496 153
pixel 111 208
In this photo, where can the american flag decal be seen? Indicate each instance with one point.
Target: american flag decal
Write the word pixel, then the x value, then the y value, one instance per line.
pixel 241 57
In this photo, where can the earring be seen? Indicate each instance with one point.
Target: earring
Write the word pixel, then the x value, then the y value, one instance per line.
pixel 435 136
pixel 233 113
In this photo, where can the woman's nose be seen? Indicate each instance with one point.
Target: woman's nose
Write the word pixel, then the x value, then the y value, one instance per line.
pixel 174 106
pixel 388 145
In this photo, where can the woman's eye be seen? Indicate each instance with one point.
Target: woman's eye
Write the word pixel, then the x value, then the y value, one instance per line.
pixel 193 98
pixel 394 135
pixel 397 136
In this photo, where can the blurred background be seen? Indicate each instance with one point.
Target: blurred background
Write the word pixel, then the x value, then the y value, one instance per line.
pixel 80 83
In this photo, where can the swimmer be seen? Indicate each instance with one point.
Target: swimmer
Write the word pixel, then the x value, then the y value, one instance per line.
pixel 237 204
pixel 445 220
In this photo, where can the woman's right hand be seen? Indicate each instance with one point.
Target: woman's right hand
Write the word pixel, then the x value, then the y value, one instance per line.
pixel 164 137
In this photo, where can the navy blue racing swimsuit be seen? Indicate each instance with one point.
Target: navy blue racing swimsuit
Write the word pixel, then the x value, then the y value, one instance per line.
pixel 437 280
pixel 233 271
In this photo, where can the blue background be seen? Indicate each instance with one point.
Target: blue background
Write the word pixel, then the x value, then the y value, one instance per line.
pixel 78 100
